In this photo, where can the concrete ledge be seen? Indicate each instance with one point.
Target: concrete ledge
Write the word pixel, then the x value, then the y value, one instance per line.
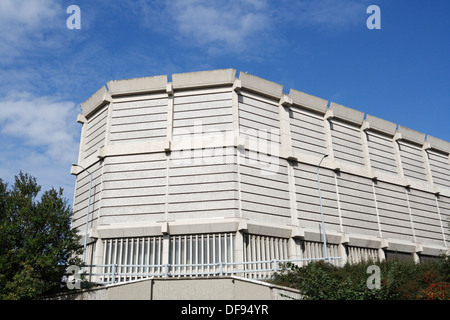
pixel 129 230
pixel 439 144
pixel 157 228
pixel 203 78
pixel 203 226
pixel 97 100
pixel 316 236
pixel 400 246
pixel 137 85
pixel 346 113
pixel 381 125
pixel 433 250
pixel 364 241
pixel 308 101
pixel 267 229
pixel 411 135
pixel 263 86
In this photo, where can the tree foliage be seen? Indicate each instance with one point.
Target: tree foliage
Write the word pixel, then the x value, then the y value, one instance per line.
pixel 400 280
pixel 36 241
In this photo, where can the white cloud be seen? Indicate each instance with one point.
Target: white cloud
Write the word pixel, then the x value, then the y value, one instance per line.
pixel 39 136
pixel 217 25
pixel 224 24
pixel 237 26
pixel 24 23
pixel 42 122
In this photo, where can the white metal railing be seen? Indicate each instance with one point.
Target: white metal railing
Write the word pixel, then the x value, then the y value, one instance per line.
pixel 111 272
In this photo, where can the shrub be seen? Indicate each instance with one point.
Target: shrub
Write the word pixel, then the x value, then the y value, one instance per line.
pixel 400 280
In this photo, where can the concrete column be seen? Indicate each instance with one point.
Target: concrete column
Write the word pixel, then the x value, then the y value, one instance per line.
pixel 239 250
pixel 165 249
pixel 381 254
pixel 338 201
pixel 294 251
pixel 365 145
pixel 292 193
pixel 98 258
pixel 398 159
pixel 285 127
pixel 342 251
pixel 343 254
pixel 436 197
pixel 235 106
pixel 108 122
pixel 81 119
pixel 168 144
pixel 169 91
pixel 410 215
pixel 426 146
pixel 328 138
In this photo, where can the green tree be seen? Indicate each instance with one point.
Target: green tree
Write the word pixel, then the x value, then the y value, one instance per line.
pixel 36 241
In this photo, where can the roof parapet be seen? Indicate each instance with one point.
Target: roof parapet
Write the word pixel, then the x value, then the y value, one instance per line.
pixel 137 85
pixel 97 100
pixel 438 144
pixel 308 101
pixel 263 86
pixel 381 125
pixel 346 113
pixel 203 78
pixel 411 135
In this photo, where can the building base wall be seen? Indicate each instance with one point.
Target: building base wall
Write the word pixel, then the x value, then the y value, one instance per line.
pixel 213 288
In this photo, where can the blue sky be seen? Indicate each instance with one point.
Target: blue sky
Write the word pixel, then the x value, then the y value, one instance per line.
pixel 323 47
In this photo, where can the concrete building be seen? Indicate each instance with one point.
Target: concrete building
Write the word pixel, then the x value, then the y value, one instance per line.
pixel 207 167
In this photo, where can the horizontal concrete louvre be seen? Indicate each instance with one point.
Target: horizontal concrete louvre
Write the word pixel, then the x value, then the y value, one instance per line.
pixel 357 205
pixel 201 187
pixel 133 214
pixel 307 195
pixel 258 189
pixel 307 132
pixel 382 153
pixel 134 185
pixel 200 111
pixel 81 198
pixel 347 144
pixel 257 116
pixel 200 179
pixel 95 132
pixel 139 120
pixel 393 211
pixel 427 226
pixel 412 161
pixel 440 168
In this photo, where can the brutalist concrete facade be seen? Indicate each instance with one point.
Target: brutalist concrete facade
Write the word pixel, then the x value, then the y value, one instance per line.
pixel 207 167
